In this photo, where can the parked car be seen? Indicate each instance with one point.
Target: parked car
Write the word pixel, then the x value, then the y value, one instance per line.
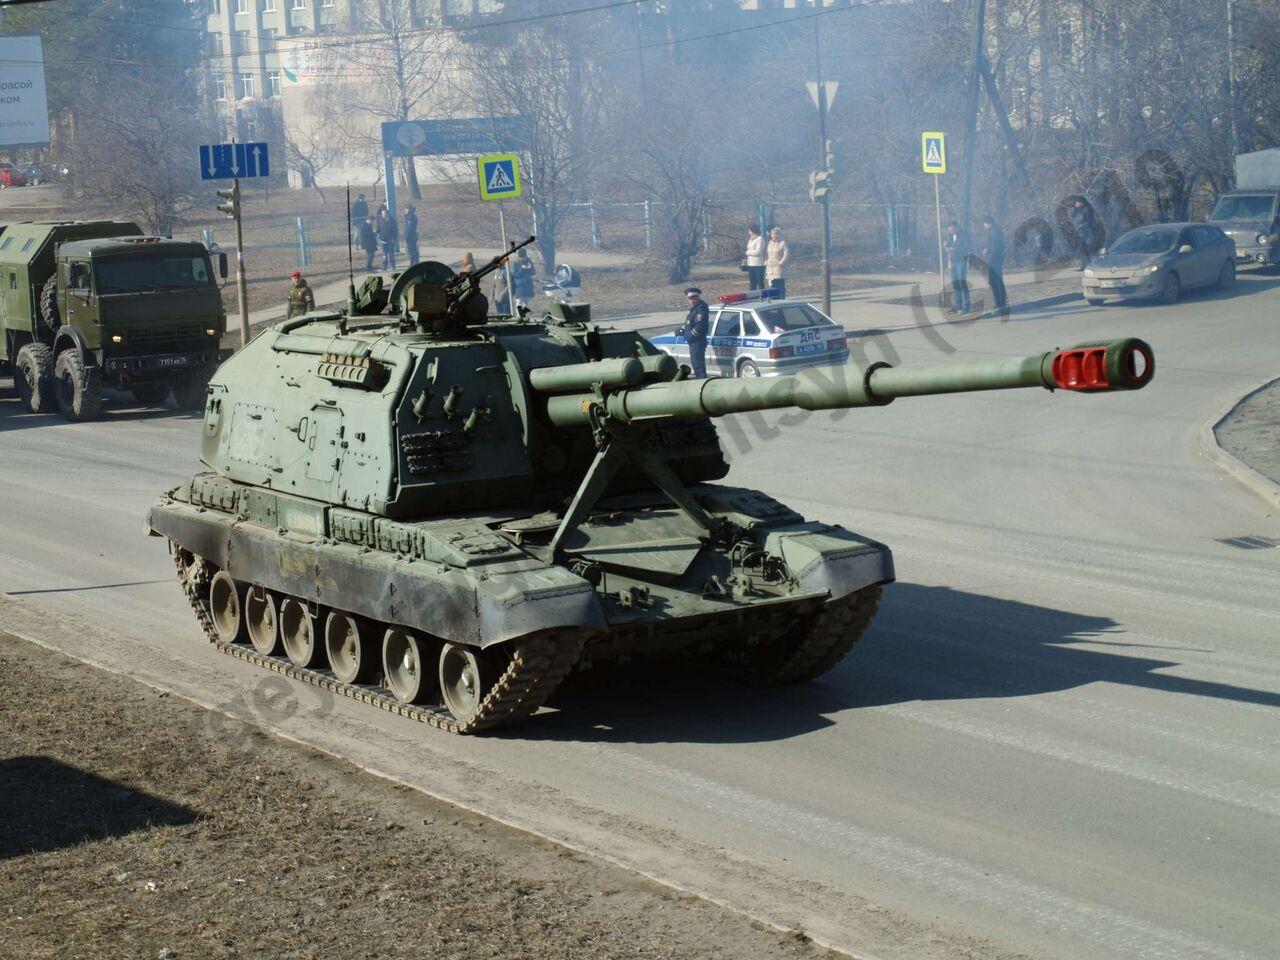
pixel 1160 261
pixel 11 176
pixel 753 335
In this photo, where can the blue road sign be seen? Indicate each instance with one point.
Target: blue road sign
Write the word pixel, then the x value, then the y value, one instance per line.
pixel 229 161
pixel 499 176
pixel 465 135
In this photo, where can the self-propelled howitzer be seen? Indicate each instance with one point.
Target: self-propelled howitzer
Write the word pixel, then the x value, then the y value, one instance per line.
pixel 443 516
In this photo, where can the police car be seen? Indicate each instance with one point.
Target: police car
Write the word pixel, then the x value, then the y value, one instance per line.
pixel 754 335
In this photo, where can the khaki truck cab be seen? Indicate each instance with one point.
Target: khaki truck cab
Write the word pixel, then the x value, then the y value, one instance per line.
pixel 88 305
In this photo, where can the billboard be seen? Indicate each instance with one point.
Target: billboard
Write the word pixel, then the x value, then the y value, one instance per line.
pixel 24 112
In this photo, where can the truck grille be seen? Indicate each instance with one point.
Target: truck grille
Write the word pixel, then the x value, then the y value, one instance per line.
pixel 164 336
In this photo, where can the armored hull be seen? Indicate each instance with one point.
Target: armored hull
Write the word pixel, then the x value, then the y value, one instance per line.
pixel 444 519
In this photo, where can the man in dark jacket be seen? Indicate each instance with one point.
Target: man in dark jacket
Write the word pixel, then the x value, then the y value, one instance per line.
pixel 388 238
pixel 956 243
pixel 368 242
pixel 359 210
pixel 411 234
pixel 993 256
pixel 1084 230
pixel 522 273
pixel 697 325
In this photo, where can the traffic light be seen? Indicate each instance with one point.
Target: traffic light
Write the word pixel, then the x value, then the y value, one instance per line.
pixel 819 184
pixel 232 206
pixel 829 149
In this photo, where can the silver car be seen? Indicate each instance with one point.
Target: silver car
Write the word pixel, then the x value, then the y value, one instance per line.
pixel 1160 261
pixel 753 336
pixel 1251 218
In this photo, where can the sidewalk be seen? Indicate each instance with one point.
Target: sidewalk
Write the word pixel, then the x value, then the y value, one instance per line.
pixel 1246 441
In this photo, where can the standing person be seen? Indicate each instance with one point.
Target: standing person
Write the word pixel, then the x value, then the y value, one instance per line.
pixel 775 267
pixel 755 257
pixel 1083 224
pixel 468 263
pixel 388 237
pixel 411 234
pixel 993 256
pixel 359 210
pixel 369 242
pixel 522 273
pixel 696 327
pixel 956 245
pixel 301 299
pixel 501 298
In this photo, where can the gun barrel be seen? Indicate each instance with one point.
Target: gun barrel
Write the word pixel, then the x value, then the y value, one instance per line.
pixel 1094 368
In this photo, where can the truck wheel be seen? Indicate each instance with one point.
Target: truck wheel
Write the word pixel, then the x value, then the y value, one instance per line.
pixel 79 387
pixel 34 378
pixel 190 393
pixel 49 304
pixel 151 393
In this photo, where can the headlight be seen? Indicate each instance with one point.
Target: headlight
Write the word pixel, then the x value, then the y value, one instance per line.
pixel 1263 239
pixel 117 338
pixel 1153 268
pixel 1088 272
pixel 211 332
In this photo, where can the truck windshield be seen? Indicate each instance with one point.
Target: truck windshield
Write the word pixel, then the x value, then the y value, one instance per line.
pixel 137 272
pixel 796 316
pixel 1245 207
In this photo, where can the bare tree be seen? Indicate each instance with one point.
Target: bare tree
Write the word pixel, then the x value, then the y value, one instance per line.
pixel 391 72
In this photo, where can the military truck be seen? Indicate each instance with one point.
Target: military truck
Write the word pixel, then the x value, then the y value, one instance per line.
pixel 93 304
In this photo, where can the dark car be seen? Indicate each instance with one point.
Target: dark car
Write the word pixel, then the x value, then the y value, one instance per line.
pixel 1160 261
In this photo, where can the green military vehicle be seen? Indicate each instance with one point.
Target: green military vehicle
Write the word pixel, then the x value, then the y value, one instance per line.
pixel 442 514
pixel 94 304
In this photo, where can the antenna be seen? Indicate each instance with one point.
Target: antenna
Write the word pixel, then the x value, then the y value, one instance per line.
pixel 351 270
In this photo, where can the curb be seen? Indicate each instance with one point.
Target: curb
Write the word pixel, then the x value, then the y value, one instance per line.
pixel 1248 477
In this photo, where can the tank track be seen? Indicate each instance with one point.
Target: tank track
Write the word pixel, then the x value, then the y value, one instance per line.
pixel 815 646
pixel 538 663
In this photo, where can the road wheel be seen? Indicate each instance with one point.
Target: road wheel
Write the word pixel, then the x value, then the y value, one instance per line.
pixel 151 393
pixel 262 616
pixel 1171 289
pixel 346 640
pixel 49 304
pixel 190 393
pixel 466 677
pixel 406 667
pixel 79 387
pixel 34 378
pixel 226 607
pixel 748 368
pixel 1227 275
pixel 298 632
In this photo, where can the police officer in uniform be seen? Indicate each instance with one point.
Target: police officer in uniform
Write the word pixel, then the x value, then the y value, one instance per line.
pixel 696 327
pixel 301 299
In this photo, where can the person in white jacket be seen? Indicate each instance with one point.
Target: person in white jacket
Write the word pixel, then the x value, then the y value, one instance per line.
pixel 775 268
pixel 755 257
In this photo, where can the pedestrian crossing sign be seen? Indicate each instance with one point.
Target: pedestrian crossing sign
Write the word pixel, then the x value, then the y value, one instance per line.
pixel 499 176
pixel 933 152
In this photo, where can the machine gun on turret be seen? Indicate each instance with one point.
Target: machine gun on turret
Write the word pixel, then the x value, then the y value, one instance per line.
pixel 464 286
pixel 437 300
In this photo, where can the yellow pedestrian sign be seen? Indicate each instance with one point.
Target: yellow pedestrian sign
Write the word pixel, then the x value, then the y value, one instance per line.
pixel 933 152
pixel 499 176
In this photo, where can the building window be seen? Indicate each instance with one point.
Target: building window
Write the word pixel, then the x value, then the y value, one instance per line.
pixel 273 83
pixel 220 88
pixel 240 42
pixel 268 39
pixel 215 6
pixel 326 3
pixel 299 4
pixel 242 6
pixel 246 85
pixel 216 40
pixel 268 6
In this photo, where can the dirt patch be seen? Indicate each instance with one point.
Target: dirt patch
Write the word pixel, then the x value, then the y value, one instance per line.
pixel 139 825
pixel 1251 432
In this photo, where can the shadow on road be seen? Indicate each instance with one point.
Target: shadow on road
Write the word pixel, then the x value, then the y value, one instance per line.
pixel 116 408
pixel 927 643
pixel 50 805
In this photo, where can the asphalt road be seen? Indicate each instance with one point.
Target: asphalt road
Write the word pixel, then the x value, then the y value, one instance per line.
pixel 1060 737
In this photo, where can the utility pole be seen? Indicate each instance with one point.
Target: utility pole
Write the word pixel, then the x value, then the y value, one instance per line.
pixel 971 114
pixel 1232 92
pixel 824 161
pixel 232 209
